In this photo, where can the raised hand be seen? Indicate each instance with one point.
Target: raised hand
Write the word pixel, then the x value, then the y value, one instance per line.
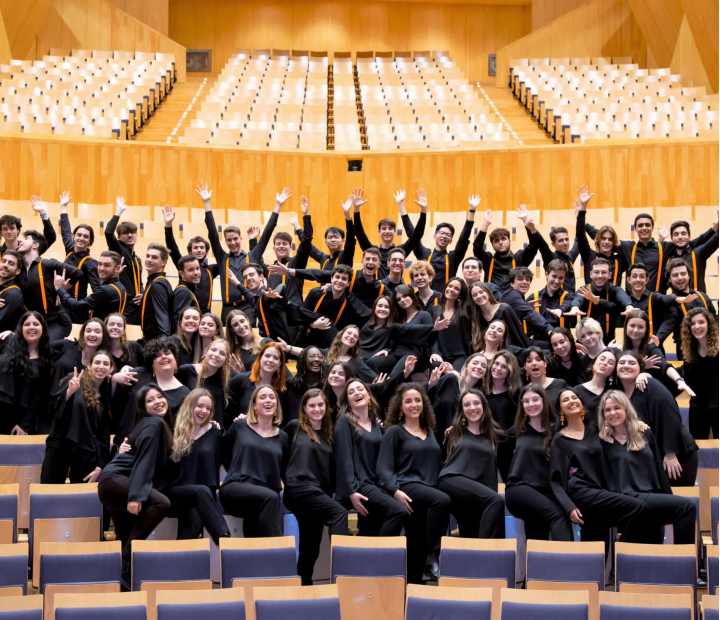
pixel 357 198
pixel 434 377
pixel 271 293
pixel 664 232
pixel 523 214
pixel 322 323
pixel 203 191
pixel 65 199
pixel 585 196
pixel 59 281
pixel 283 345
pixel 410 362
pixel 487 220
pixel 168 216
pixel 294 222
pixel 279 269
pixel 74 383
pixel 282 197
pixel 120 205
pixel 122 266
pixel 687 299
pixel 441 323
pixel 474 202
pixel 305 205
pixel 586 293
pixel 37 205
pixel 346 206
pixel 232 277
pixel 399 196
pixel 577 207
pixel 421 201
pixel 652 362
pixel 253 232
pixel 236 364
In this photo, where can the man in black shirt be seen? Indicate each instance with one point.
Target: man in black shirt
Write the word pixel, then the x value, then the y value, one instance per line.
pixel 156 309
pixel 10 227
pixel 198 247
pixel 661 309
pixel 37 282
pixel 342 250
pixel 77 245
pixel 534 324
pixel 396 263
pixel 695 252
pixel 184 295
pixel 421 275
pixel 560 239
pixel 131 276
pixel 110 296
pixel 387 229
pixel 601 300
pixel 11 298
pixel 553 300
pixel 472 271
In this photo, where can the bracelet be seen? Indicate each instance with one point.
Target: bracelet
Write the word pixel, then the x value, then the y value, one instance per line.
pixel 43 215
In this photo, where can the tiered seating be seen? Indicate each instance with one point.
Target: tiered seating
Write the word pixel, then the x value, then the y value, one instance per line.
pixel 422 101
pixel 346 122
pixel 90 93
pixel 265 100
pixel 579 99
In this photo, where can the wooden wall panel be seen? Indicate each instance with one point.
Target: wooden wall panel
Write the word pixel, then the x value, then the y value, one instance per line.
pixel 153 13
pixel 598 28
pixel 23 20
pixel 640 176
pixel 547 11
pixel 470 31
pixel 702 16
pixel 687 61
pixel 5 52
pixel 660 22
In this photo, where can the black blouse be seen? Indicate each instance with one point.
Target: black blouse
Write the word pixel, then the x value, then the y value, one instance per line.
pixel 136 356
pixel 637 472
pixel 503 408
pixel 249 457
pixel 241 389
pixel 355 456
pixel 310 462
pixel 188 376
pixel 454 342
pixel 529 464
pixel 412 338
pixel 144 463
pixel 374 340
pixel 201 466
pixel 474 457
pixel 554 390
pixel 406 458
pixel 25 399
pixel 589 400
pixel 575 375
pixel 696 376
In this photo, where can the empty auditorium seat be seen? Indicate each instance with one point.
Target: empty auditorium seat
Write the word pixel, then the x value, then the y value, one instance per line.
pixel 544 605
pixel 714 514
pixel 617 605
pixel 707 476
pixel 428 603
pixel 22 608
pixel 9 505
pixel 298 602
pixel 21 458
pixel 120 606
pixel 212 604
pixel 13 570
pixel 711 607
pixel 713 568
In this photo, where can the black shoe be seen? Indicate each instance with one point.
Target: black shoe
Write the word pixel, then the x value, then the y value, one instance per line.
pixel 432 571
pixel 701 583
pixel 125 585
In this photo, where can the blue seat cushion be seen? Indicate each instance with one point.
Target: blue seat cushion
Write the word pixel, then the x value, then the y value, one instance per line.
pixel 25 614
pixel 131 612
pixel 522 611
pixel 14 572
pixel 50 506
pixel 370 562
pixel 469 564
pixel 430 609
pixel 87 568
pixel 654 570
pixel 22 454
pixel 582 567
pixel 232 610
pixel 312 609
pixel 175 566
pixel 257 564
pixel 612 612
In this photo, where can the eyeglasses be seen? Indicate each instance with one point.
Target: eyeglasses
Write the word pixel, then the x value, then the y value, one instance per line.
pixel 315 356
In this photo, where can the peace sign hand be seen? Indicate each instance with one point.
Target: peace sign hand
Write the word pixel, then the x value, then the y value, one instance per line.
pixel 74 383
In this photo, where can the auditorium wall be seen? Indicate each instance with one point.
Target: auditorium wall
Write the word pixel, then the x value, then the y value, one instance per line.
pixel 634 175
pixel 153 13
pixel 598 28
pixel 546 11
pixel 470 31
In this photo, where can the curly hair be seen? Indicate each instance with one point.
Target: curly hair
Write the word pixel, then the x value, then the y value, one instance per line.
pixel 635 440
pixel 304 419
pixel 278 380
pixel 427 417
pixel 18 357
pixel 334 350
pixel 185 423
pixel 156 347
pixel 689 343
pixel 488 426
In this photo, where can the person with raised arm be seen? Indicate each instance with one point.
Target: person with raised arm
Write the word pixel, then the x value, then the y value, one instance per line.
pixel 236 257
pixel 10 227
pixel 606 241
pixel 534 324
pixel 387 229
pixel 71 354
pixel 497 266
pixel 37 283
pixel 185 293
pixel 421 276
pixel 108 297
pixel 445 262
pixel 156 310
pixel 601 300
pixel 124 244
pixel 199 248
pixel 77 246
pixel 12 304
pixel 695 252
pixel 342 250
pixel 699 341
pixel 553 300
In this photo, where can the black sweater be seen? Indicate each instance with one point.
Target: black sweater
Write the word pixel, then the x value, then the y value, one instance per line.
pixel 696 375
pixel 406 458
pixel 355 456
pixel 637 472
pixel 310 462
pixel 414 337
pixel 201 466
pixel 188 376
pixel 374 340
pixel 529 463
pixel 474 457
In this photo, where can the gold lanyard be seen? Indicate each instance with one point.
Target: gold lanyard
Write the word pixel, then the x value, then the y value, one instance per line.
pixel 193 295
pixel 147 290
pixel 42 285
pixel 492 265
pixel 447 265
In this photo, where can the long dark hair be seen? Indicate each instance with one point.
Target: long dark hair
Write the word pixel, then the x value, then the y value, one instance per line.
pixel 461 316
pixel 301 373
pixel 427 419
pixel 392 317
pixel 304 420
pixel 546 417
pixel 555 361
pixel 126 355
pixel 488 426
pixel 168 420
pixel 330 393
pixel 346 410
pixel 18 357
pixel 105 344
pixel 627 342
pixel 407 291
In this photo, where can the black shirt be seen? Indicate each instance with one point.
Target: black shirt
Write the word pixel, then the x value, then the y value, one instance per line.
pixel 48 232
pixel 157 307
pixel 697 376
pixel 443 262
pixel 131 276
pixel 503 408
pixel 80 260
pixel 514 334
pixel 43 299
pixel 355 456
pixel 618 260
pixel 406 458
pixel 241 389
pixel 613 300
pixel 413 337
pixel 251 458
pixel 310 462
pixel 589 400
pixel 25 398
pixel 573 376
pixel 14 306
pixel 536 239
pixel 474 457
pixel 201 466
pixel 454 342
pixel 292 286
pixel 661 310
pixel 529 463
pixel 497 268
pixel 695 256
pixel 188 376
pixel 108 297
pixel 343 257
pixel 184 296
pixel 637 472
pixel 375 340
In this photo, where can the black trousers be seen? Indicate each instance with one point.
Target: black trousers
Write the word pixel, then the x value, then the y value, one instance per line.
pixel 424 528
pixel 702 421
pixel 689 464
pixel 662 509
pixel 195 507
pixel 382 363
pixel 602 510
pixel 480 511
pixel 313 509
pixel 257 506
pixel 113 494
pixel 59 326
pixel 60 463
pixel 542 515
pixel 386 516
pixel 423 364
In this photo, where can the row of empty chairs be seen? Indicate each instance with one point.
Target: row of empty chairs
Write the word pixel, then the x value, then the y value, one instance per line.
pixel 579 99
pixel 344 117
pixel 265 100
pixel 84 92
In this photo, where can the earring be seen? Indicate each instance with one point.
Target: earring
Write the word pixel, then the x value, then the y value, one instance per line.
pixel 582 415
pixel 402 416
pixel 89 373
pixel 464 421
pixel 526 416
pixel 153 371
pixel 562 419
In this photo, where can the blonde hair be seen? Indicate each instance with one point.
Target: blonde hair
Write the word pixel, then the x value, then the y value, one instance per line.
pixel 589 324
pixel 635 439
pixel 421 266
pixel 185 423
pixel 224 371
pixel 252 416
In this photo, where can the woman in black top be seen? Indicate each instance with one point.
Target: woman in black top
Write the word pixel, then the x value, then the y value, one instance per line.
pixel 602 378
pixel 93 337
pixel 309 374
pixel 129 487
pixel 26 372
pixel 535 364
pixel 187 336
pixel 659 410
pixel 210 328
pixel 502 388
pixel 493 339
pixel 310 480
pixel 469 476
pixel 124 352
pixel 580 479
pixel 244 342
pixel 255 454
pixel 565 363
pixel 213 374
pixel 345 347
pixel 528 494
pixel 636 467
pixel 590 335
pixel 699 341
pixel 408 467
pixel 337 375
pixel 358 435
pixel 376 336
pixel 79 439
pixel 485 309
pixel 452 344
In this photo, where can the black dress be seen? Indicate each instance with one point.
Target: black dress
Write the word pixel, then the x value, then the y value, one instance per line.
pixel 704 411
pixel 589 400
pixel 503 408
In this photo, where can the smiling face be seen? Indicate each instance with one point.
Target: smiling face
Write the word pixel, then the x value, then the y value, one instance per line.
pixel 93 334
pixel 9 267
pixel 253 280
pixel 315 409
pixel 198 250
pixel 153 261
pixel 265 403
pixel 9 233
pixel 443 237
pixel 480 296
pixel 644 228
pixel 628 368
pixel 555 280
pixel 412 405
pixel 614 413
pixel 81 238
pixel 314 360
pixel 156 403
pixel 532 404
pixel 339 282
pixel 106 268
pixel 495 333
pixel 233 241
pixel 562 242
pixel 681 237
pixel 164 362
pixel 101 367
pixel 190 321
pixel 32 330
pixel 396 263
pixel 240 326
pixel 203 411
pixel 680 278
pixel 216 355
pixel 561 345
pixel 570 404
pixel 604 364
pixel 26 245
pixel 452 290
pixel 535 366
pixel 421 279
pixel 282 248
pixel 370 263
pixel 387 233
pixel 270 361
pixel 191 272
pixel 605 245
pixel 500 369
pixel 599 275
pixel 403 301
pixel 115 326
pixel 357 395
pixel 699 326
pixel 350 337
pixel 636 329
pixel 589 338
pixel 477 367
pixel 522 284
pixel 472 408
pixel 638 280
pixel 382 309
pixel 208 327
pixel 471 271
pixel 334 242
